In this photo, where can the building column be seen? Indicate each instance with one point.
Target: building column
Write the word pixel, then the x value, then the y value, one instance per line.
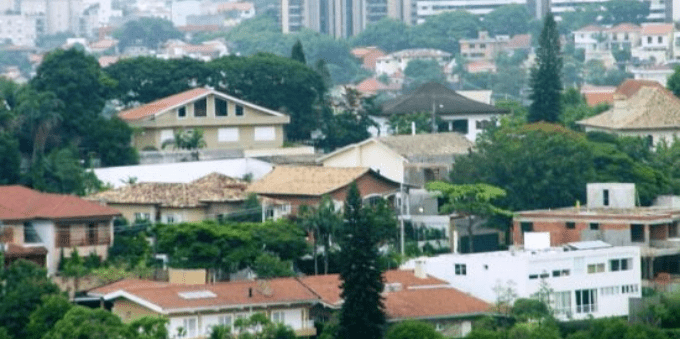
pixel 646 238
pixel 450 126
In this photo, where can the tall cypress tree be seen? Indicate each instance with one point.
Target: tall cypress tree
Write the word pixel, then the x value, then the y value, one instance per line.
pixel 298 53
pixel 546 83
pixel 362 314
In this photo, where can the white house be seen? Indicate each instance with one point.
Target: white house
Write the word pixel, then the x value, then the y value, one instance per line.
pixel 656 43
pixel 589 278
pixel 396 62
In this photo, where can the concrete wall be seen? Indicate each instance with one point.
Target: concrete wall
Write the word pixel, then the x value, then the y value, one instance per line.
pixel 619 195
pixel 187 276
pixel 129 311
pixel 374 155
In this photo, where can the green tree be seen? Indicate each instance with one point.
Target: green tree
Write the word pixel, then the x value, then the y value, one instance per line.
pixel 61 172
pixel 443 31
pixel 625 11
pixel 388 34
pixel 268 266
pixel 362 314
pixel 24 284
pixel 82 322
pixel 419 72
pixel 11 159
pixel 114 137
pixel 297 53
pixel 674 82
pixel 546 85
pixel 402 123
pixel 470 200
pixel 148 32
pixel 51 310
pixel 413 329
pixel 508 20
pixel 75 268
pixel 41 113
pixel 148 328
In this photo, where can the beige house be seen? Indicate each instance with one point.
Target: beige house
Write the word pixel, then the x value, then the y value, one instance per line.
pixel 198 308
pixel 227 122
pixel 209 197
pixel 412 159
pixel 652 112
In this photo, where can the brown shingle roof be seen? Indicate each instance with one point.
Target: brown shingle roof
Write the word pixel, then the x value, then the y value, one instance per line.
pixel 306 180
pixel 650 107
pixel 21 203
pixel 226 295
pixel 213 187
pixel 161 105
pixel 428 144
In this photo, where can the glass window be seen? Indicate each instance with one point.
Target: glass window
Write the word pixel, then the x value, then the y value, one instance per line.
pixel 605 197
pixel 221 107
pixel 595 268
pixel 594 226
pixel 637 233
pixel 182 112
pixel 200 108
pixel 562 302
pixel 92 234
pixel 571 225
pixel 239 110
pixel 228 134
pixel 278 317
pixel 461 269
pixel 189 325
pixel 586 301
pixel 527 226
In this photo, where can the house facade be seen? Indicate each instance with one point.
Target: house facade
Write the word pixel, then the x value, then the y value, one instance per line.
pixel 656 43
pixel 587 278
pixel 483 47
pixel 198 308
pixel 611 216
pixel 306 185
pixel 40 226
pixel 227 122
pixel 412 159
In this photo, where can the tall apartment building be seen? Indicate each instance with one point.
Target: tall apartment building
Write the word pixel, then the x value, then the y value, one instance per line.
pixel 17 28
pixel 341 18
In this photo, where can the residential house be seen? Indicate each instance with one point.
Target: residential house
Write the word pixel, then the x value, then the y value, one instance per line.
pixel 596 95
pixel 612 216
pixel 481 66
pixel 409 295
pixel 412 159
pixel 519 42
pixel 198 308
pixel 624 36
pixel 590 38
pixel 656 73
pixel 40 226
pixel 306 185
pixel 656 43
pixel 483 47
pixel 227 122
pixel 368 56
pixel 461 114
pixel 210 197
pixel 586 279
pixel 396 62
pixel 206 51
pixel 373 86
pixel 652 113
pixel 599 42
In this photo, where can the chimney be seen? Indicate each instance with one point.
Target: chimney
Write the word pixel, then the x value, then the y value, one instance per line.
pixel 420 269
pixel 250 292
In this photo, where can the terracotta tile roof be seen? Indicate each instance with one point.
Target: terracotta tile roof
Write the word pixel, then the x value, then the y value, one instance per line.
pixel 161 105
pixel 168 299
pixel 596 98
pixel 21 203
pixel 124 284
pixel 432 303
pixel 625 27
pixel 359 52
pixel 657 29
pixel 480 66
pixel 416 297
pixel 428 144
pixel 519 41
pixel 372 86
pixel 104 44
pixel 105 61
pixel 650 107
pixel 307 180
pixel 630 86
pixel 214 187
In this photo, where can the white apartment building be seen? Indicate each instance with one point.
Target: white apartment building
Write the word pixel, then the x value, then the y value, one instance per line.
pixel 19 29
pixel 589 278
pixel 397 61
pixel 428 8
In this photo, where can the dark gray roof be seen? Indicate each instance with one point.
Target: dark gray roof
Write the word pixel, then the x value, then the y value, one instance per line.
pixel 444 100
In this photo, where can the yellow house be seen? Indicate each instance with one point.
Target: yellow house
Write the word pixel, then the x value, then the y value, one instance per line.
pixel 227 122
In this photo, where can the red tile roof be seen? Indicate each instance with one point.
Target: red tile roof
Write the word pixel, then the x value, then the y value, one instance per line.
pixel 160 105
pixel 657 29
pixel 631 86
pixel 21 203
pixel 124 284
pixel 590 28
pixel 519 41
pixel 596 98
pixel 625 27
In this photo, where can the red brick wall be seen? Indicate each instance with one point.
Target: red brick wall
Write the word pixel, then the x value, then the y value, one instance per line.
pixel 658 232
pixel 559 234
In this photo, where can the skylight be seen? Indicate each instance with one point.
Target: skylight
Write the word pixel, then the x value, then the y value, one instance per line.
pixel 197 294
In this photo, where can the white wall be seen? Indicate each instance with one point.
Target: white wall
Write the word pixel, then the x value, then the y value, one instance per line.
pixel 485 271
pixel 372 154
pixel 47 233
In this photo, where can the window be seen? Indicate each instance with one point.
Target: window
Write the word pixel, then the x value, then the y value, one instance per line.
pixel 267 133
pixel 167 135
pixel 562 302
pixel 200 108
pixel 92 234
pixel 544 275
pixel 560 273
pixel 142 217
pixel 527 226
pixel 278 317
pixel 239 110
pixel 533 276
pixel 30 234
pixel 63 236
pixel 461 269
pixel 189 325
pixel 586 301
pixel 660 39
pixel 605 197
pixel 594 226
pixel 595 268
pixel 229 134
pixel 182 112
pixel 482 46
pixel 637 233
pixel 221 108
pixel 673 230
pixel 571 225
pixel 625 36
pixel 620 264
pixel 225 320
pixel 472 46
pixel 629 289
pixel 170 219
pixel 649 39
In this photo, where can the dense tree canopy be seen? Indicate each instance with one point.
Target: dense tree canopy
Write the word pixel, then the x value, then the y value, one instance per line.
pixel 508 20
pixel 147 32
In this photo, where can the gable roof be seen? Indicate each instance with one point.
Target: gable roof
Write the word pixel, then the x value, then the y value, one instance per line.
pixel 657 29
pixel 168 298
pixel 417 298
pixel 214 187
pixel 650 107
pixel 21 203
pixel 630 86
pixel 309 180
pixel 590 28
pixel 443 99
pixel 625 27
pixel 164 105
